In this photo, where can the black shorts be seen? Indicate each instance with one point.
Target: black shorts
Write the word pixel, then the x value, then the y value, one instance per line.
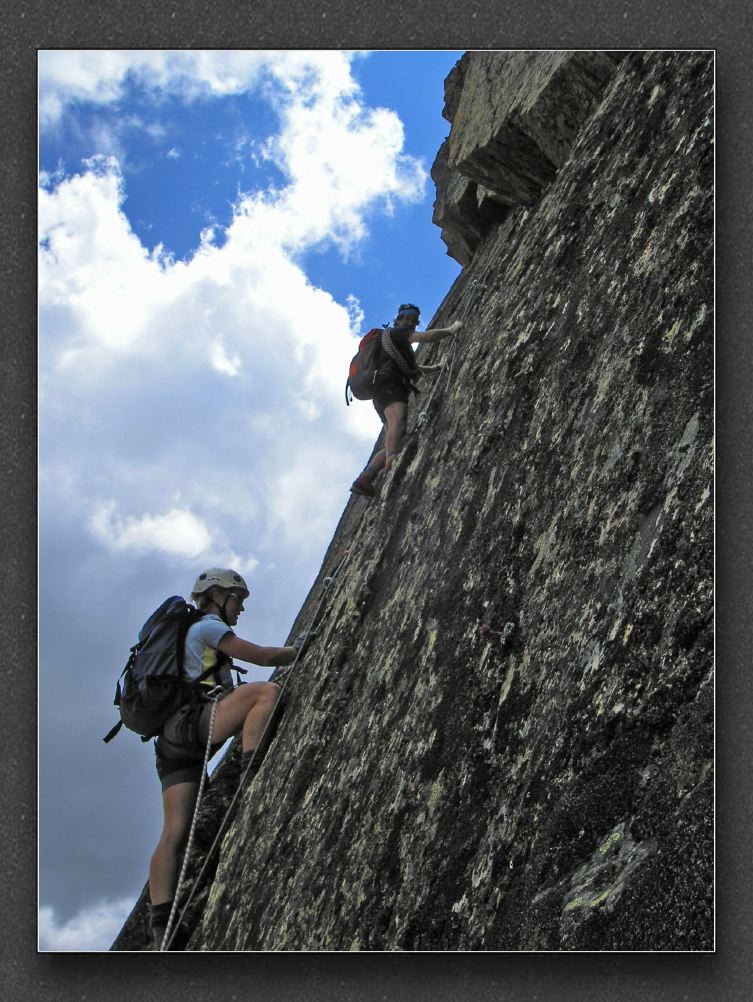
pixel 391 391
pixel 182 745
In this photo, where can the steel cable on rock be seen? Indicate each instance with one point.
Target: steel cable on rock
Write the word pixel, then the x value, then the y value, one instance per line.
pixel 289 672
pixel 474 282
pixel 167 938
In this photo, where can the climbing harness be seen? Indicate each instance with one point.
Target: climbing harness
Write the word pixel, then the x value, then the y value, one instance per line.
pixel 214 696
pixel 168 934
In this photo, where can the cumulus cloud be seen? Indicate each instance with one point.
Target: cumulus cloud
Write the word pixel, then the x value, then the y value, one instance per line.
pixel 98 283
pixel 234 342
pixel 341 158
pixel 177 531
pixel 355 313
pixel 92 929
pixel 100 76
pixel 191 411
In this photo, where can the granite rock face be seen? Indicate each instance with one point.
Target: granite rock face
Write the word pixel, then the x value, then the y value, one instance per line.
pixel 457 209
pixel 514 119
pixel 502 735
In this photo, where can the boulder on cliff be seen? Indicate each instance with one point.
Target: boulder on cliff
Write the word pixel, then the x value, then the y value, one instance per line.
pixel 515 116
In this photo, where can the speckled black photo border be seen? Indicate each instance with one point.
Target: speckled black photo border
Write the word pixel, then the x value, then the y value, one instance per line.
pixel 520 24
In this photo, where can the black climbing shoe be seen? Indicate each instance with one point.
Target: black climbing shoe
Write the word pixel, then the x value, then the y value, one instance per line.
pixel 363 486
pixel 157 935
pixel 179 937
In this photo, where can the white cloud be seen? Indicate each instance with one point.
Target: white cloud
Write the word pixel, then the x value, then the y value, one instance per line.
pixel 221 362
pixel 99 284
pixel 229 558
pixel 220 378
pixel 302 509
pixel 355 313
pixel 341 158
pixel 100 76
pixel 176 532
pixel 93 929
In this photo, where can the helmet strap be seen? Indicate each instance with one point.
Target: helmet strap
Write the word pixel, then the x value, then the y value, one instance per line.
pixel 223 612
pixel 222 609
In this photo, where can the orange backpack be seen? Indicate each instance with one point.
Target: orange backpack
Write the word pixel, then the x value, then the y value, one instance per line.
pixel 364 366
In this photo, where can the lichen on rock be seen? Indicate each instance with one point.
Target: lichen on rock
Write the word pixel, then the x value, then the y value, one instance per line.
pixel 546 782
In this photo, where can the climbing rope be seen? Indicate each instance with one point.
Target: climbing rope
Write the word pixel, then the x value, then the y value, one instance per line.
pixel 289 672
pixel 167 938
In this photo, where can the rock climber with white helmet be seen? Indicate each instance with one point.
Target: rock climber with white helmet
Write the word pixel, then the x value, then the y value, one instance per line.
pixel 211 643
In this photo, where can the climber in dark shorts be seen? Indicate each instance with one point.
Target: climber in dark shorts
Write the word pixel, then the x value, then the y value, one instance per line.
pixel 392 388
pixel 211 643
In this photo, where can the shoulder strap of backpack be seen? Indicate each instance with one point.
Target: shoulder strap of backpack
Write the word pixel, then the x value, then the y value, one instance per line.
pixel 223 661
pixel 111 733
pixel 192 616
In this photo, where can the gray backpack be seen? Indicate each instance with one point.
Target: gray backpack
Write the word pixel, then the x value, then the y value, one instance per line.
pixel 154 683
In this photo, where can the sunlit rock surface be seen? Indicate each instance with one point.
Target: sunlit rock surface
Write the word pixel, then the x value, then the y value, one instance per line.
pixel 501 737
pixel 514 118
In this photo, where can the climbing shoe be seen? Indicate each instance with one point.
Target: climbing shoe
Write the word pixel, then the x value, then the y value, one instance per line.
pixel 178 940
pixel 363 486
pixel 157 935
pixel 159 916
pixel 250 765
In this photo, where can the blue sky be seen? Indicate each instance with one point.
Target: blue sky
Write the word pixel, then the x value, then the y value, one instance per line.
pixel 216 230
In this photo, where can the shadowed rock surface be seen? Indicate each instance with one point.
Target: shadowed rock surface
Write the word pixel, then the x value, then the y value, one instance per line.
pixel 502 735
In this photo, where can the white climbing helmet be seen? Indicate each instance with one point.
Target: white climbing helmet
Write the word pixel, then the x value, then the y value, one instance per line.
pixel 221 577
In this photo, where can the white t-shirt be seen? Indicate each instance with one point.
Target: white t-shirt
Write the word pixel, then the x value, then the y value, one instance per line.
pixel 201 652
